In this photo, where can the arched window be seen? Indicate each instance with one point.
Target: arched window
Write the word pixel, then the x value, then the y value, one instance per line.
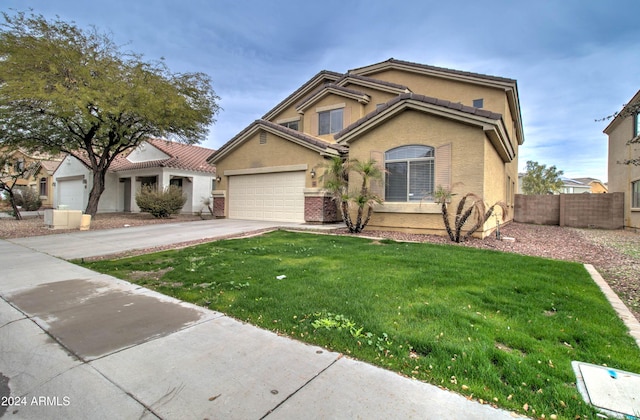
pixel 43 186
pixel 410 172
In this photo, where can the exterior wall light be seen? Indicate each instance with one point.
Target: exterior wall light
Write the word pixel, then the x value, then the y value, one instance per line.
pixel 313 173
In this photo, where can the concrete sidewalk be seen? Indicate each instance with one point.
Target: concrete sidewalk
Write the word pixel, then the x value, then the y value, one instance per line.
pixel 78 344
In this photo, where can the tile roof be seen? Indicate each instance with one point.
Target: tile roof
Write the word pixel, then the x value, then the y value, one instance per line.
pixel 304 137
pixel 325 74
pixel 587 180
pixel 439 69
pixel 181 156
pixel 424 99
pixel 372 80
pixel 50 165
pixel 332 86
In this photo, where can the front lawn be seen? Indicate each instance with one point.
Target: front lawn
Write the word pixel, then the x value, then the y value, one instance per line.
pixel 500 328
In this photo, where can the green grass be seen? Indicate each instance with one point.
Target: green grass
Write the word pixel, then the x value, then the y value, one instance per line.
pixel 502 328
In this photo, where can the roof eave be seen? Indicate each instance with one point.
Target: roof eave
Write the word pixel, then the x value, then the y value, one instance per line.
pixel 493 128
pixel 265 125
pixel 302 92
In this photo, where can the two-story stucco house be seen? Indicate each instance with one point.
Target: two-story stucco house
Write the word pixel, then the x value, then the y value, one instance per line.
pixel 626 177
pixel 426 126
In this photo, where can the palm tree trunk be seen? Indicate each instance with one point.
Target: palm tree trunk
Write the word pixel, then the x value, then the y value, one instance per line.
pixel 445 217
pixel 461 221
pixel 358 225
pixel 366 220
pixel 346 216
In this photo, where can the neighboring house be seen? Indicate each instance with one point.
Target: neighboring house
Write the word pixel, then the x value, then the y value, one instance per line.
pixel 625 177
pixel 596 186
pixel 154 162
pixel 426 126
pixel 40 178
pixel 573 186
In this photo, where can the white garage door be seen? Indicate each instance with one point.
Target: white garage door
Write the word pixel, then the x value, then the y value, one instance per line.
pixel 274 196
pixel 71 194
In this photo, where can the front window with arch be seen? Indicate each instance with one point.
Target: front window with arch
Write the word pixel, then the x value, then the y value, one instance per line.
pixel 410 172
pixel 43 186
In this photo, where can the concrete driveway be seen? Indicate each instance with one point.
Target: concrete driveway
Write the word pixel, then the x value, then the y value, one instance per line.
pixel 94 243
pixel 78 344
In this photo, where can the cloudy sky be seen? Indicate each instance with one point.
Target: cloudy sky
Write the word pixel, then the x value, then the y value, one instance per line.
pixel 575 60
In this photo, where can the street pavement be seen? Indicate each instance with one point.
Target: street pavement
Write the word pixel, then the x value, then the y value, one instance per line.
pixel 77 344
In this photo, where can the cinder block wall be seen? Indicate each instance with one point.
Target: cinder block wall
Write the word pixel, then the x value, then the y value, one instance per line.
pixel 604 211
pixel 537 209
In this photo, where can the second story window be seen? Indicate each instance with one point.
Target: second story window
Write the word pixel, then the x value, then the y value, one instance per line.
pixel 636 124
pixel 294 125
pixel 330 122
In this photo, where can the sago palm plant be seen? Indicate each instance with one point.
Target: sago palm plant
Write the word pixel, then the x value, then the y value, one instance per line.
pixel 336 180
pixel 463 212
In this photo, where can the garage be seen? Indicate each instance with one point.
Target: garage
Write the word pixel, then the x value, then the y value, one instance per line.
pixel 71 193
pixel 275 197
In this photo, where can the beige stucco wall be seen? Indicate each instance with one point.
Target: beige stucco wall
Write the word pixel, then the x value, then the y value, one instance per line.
pixel 473 161
pixel 277 152
pixel 353 110
pixel 621 176
pixel 495 99
pixel 377 97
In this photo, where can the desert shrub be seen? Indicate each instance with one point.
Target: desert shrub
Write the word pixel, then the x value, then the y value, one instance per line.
pixel 27 199
pixel 160 203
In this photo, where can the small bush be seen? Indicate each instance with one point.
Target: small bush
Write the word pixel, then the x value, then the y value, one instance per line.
pixel 27 199
pixel 160 203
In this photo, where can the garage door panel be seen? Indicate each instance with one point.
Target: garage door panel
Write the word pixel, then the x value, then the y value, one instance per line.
pixel 70 194
pixel 272 196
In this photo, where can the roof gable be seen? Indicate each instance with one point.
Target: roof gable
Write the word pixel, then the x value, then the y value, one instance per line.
pixel 509 86
pixel 620 116
pixel 392 63
pixel 332 89
pixel 490 122
pixel 355 79
pixel 171 155
pixel 293 136
pixel 323 77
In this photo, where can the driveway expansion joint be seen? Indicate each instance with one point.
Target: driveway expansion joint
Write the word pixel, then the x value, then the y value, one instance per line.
pixel 302 386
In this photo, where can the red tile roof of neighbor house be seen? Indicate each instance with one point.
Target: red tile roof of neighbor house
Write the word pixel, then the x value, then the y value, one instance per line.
pixel 50 165
pixel 181 156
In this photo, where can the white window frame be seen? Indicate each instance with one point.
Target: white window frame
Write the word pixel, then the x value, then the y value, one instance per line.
pixel 335 124
pixel 428 196
pixel 635 194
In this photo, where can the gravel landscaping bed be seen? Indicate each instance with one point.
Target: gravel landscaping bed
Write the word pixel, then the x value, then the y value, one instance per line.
pixel 614 253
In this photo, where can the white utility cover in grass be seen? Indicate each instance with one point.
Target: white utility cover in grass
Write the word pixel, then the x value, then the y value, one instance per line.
pixel 272 196
pixel 613 391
